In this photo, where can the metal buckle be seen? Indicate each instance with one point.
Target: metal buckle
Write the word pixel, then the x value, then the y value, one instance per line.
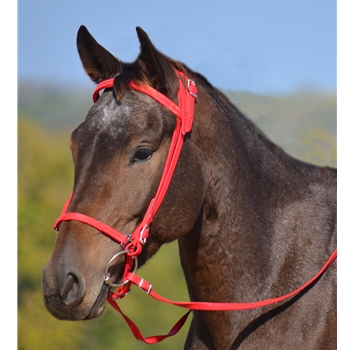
pixel 189 82
pixel 107 279
pixel 129 236
pixel 143 239
pixel 120 295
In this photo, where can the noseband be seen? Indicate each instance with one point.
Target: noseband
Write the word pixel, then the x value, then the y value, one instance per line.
pixel 132 244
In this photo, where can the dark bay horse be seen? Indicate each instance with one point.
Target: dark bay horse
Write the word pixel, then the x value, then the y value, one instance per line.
pixel 252 223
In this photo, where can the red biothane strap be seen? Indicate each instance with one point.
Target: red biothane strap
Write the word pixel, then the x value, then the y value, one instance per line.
pixel 107 230
pixel 159 97
pixel 105 84
pixel 203 306
pixel 213 306
pixel 137 333
pixel 184 110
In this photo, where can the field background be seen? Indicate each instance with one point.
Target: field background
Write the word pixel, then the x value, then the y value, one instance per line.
pixel 303 123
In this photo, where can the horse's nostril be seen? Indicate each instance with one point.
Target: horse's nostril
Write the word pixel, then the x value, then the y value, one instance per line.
pixel 73 290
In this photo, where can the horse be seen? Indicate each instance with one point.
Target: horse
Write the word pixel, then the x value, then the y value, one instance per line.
pixel 251 221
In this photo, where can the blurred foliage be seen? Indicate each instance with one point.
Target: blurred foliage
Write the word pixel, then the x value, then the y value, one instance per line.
pixel 305 125
pixel 54 106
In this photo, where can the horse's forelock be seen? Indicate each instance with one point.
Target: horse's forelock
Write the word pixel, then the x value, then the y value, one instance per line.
pixel 134 72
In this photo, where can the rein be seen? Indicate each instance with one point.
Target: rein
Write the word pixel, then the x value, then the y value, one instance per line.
pixel 132 244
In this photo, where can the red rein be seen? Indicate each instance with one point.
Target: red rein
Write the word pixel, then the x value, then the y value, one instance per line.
pixel 133 243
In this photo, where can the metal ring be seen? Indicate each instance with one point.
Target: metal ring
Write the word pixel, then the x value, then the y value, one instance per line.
pixel 108 277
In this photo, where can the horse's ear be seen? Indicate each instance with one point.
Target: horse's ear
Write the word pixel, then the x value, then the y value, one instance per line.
pixel 156 66
pixel 98 63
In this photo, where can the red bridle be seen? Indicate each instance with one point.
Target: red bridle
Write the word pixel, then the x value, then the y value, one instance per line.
pixel 132 244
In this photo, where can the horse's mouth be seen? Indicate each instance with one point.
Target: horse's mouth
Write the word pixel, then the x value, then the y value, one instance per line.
pixel 99 306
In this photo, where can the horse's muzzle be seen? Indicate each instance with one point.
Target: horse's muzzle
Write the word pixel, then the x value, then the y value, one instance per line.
pixel 65 296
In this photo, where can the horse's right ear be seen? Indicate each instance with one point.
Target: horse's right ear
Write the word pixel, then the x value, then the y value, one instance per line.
pixel 156 67
pixel 98 63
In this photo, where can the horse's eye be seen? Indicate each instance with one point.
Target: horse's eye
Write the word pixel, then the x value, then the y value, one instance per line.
pixel 143 154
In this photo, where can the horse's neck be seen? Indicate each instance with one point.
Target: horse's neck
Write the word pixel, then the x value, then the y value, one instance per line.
pixel 231 252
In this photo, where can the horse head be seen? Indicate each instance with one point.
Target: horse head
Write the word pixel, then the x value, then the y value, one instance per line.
pixel 119 153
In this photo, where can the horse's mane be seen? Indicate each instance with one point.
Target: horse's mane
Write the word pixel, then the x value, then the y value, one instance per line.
pixel 322 174
pixel 225 103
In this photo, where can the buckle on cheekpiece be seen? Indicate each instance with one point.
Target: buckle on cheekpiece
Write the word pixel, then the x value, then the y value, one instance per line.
pixel 190 84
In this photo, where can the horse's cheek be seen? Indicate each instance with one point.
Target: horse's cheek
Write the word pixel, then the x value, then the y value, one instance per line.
pixel 187 193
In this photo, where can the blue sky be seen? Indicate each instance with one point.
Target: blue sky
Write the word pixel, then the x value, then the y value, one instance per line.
pixel 259 46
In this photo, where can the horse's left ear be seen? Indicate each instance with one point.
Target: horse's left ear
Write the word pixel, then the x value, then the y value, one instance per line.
pixel 98 63
pixel 156 66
